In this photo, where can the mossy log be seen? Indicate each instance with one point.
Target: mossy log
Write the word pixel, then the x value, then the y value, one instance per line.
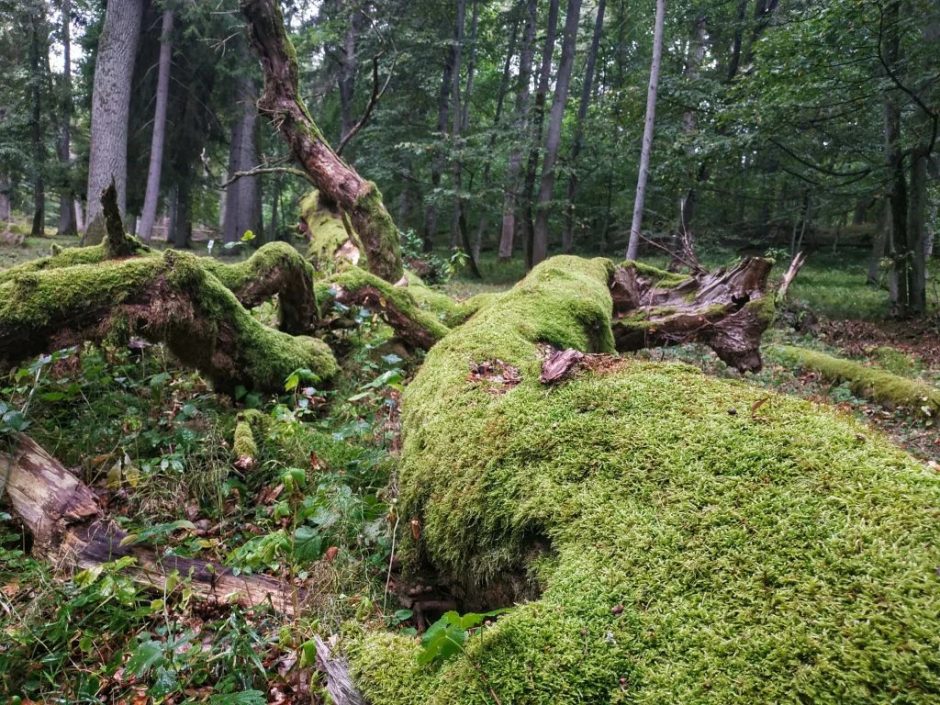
pixel 171 299
pixel 70 531
pixel 726 310
pixel 867 382
pixel 335 179
pixel 657 547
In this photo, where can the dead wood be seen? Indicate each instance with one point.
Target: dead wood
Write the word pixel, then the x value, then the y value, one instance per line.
pixel 70 530
pixel 727 310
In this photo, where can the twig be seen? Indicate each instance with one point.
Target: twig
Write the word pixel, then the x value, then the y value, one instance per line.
pixel 268 170
pixel 796 264
pixel 373 99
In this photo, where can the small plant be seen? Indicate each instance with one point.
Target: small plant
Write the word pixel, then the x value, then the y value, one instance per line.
pixel 445 638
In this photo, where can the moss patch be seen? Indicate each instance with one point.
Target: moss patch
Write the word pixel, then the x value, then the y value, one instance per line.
pixel 693 556
pixel 867 382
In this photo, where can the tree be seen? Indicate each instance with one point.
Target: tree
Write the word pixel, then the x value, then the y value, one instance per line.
pixel 149 213
pixel 110 106
pixel 243 197
pixel 38 56
pixel 648 127
pixel 67 220
pixel 553 135
pixel 578 142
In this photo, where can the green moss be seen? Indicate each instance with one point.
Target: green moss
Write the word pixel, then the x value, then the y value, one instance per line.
pixel 896 361
pixel 327 234
pixel 695 556
pixel 867 382
pixel 64 257
pixel 239 275
pixel 660 277
pixel 402 298
pixel 243 442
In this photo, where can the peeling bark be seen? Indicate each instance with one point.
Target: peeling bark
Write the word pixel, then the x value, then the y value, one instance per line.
pixel 70 530
pixel 332 176
pixel 726 310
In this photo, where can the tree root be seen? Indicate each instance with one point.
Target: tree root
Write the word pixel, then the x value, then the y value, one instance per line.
pixel 726 310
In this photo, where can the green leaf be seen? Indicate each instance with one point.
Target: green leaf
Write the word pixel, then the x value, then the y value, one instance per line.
pixel 145 657
pixel 308 544
pixel 246 697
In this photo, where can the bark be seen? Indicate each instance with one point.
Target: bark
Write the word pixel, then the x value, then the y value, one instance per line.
pixel 177 299
pixel 359 198
pixel 460 20
pixel 538 119
pixel 567 238
pixel 110 107
pixel 553 136
pixel 5 192
pixel 348 68
pixel 67 221
pixel 242 197
pixel 437 163
pixel 508 227
pixel 648 128
pixel 917 231
pixel 726 310
pixel 70 530
pixel 152 195
pixel 37 51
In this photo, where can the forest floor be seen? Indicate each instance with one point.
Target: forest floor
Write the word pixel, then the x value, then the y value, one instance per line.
pixel 315 511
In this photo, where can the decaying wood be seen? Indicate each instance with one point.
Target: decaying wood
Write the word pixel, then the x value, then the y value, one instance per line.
pixel 796 264
pixel 171 299
pixel 406 327
pixel 117 243
pixel 341 183
pixel 69 529
pixel 339 683
pixel 558 364
pixel 719 309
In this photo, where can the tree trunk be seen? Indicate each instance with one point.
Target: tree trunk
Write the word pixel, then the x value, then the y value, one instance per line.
pixel 483 222
pixel 152 196
pixel 460 19
pixel 242 197
pixel 69 529
pixel 535 143
pixel 37 60
pixel 67 221
pixel 553 136
pixel 508 227
pixel 648 128
pixel 917 232
pixel 361 199
pixel 5 193
pixel 437 161
pixel 110 107
pixel 348 67
pixel 567 240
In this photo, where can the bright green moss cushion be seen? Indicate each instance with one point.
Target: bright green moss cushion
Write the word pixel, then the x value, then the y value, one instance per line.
pixel 697 553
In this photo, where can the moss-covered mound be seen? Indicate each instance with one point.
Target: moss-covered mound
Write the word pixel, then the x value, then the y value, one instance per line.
pixel 867 382
pixel 686 550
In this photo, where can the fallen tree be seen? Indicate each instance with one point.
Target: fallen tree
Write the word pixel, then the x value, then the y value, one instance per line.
pixel 665 537
pixel 70 531
pixel 173 299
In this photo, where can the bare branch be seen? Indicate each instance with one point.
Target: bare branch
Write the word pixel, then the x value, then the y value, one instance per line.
pixel 373 99
pixel 258 170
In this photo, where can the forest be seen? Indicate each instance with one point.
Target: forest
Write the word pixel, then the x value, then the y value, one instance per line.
pixel 485 352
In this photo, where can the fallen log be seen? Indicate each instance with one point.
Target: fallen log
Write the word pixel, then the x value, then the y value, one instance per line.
pixel 727 310
pixel 171 299
pixel 70 531
pixel 660 543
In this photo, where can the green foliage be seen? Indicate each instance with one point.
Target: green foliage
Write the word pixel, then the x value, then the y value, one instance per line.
pixel 445 638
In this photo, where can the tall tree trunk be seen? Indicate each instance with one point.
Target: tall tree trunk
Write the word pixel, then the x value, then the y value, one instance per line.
pixel 110 107
pixel 638 203
pixel 5 189
pixel 917 232
pixel 737 44
pixel 36 79
pixel 67 224
pixel 348 67
pixel 508 228
pixel 456 114
pixel 242 197
pixel 567 238
pixel 437 162
pixel 538 119
pixel 553 136
pixel 897 196
pixel 152 196
pixel 693 64
pixel 483 222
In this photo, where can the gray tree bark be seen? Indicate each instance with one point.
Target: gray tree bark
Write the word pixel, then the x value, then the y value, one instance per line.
pixel 38 54
pixel 538 120
pixel 348 68
pixel 243 197
pixel 152 195
pixel 110 107
pixel 508 228
pixel 553 136
pixel 648 129
pixel 567 238
pixel 67 224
